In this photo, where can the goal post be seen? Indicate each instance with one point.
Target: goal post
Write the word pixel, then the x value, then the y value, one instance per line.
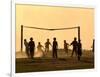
pixel 22 29
pixel 21 38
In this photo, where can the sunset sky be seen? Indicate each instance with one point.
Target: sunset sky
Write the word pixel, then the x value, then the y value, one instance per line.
pixel 55 17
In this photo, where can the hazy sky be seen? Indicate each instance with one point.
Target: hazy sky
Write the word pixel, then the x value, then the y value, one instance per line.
pixel 54 17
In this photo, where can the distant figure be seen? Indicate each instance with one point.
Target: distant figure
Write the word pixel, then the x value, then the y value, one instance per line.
pixel 55 47
pixel 26 47
pixel 31 47
pixel 39 49
pixel 47 46
pixel 66 46
pixel 93 46
pixel 79 49
pixel 74 43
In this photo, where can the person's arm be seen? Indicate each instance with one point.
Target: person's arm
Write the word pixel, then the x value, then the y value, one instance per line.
pixel 42 46
pixel 50 44
pixel 71 44
pixel 34 44
pixel 67 44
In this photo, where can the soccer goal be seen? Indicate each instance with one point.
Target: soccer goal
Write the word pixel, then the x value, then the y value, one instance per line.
pixel 48 29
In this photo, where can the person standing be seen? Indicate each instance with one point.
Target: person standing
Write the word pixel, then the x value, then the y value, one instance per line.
pixel 93 46
pixel 75 46
pixel 31 47
pixel 79 50
pixel 66 47
pixel 55 47
pixel 26 47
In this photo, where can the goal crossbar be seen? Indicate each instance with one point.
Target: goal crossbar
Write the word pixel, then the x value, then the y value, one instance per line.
pixel 49 28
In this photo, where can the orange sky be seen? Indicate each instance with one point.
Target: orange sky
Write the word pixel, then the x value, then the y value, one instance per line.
pixel 55 17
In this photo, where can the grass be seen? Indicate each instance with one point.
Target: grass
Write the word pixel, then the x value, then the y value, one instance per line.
pixel 48 64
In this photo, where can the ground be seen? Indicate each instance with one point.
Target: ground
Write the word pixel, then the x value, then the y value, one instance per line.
pixel 47 63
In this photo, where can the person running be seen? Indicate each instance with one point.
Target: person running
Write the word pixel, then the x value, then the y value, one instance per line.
pixel 40 49
pixel 31 47
pixel 55 47
pixel 26 47
pixel 66 47
pixel 79 50
pixel 47 46
pixel 75 47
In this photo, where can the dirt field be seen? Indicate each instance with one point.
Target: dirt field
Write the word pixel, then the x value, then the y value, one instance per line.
pixel 64 62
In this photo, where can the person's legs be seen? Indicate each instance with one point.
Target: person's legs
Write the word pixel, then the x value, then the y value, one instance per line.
pixel 72 52
pixel 27 52
pixel 31 54
pixel 56 56
pixel 79 54
pixel 46 50
pixel 66 50
pixel 78 57
pixel 76 53
pixel 53 54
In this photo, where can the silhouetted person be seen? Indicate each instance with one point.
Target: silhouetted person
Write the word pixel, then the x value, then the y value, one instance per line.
pixel 79 49
pixel 66 46
pixel 26 47
pixel 55 47
pixel 31 47
pixel 93 45
pixel 74 43
pixel 47 46
pixel 40 49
